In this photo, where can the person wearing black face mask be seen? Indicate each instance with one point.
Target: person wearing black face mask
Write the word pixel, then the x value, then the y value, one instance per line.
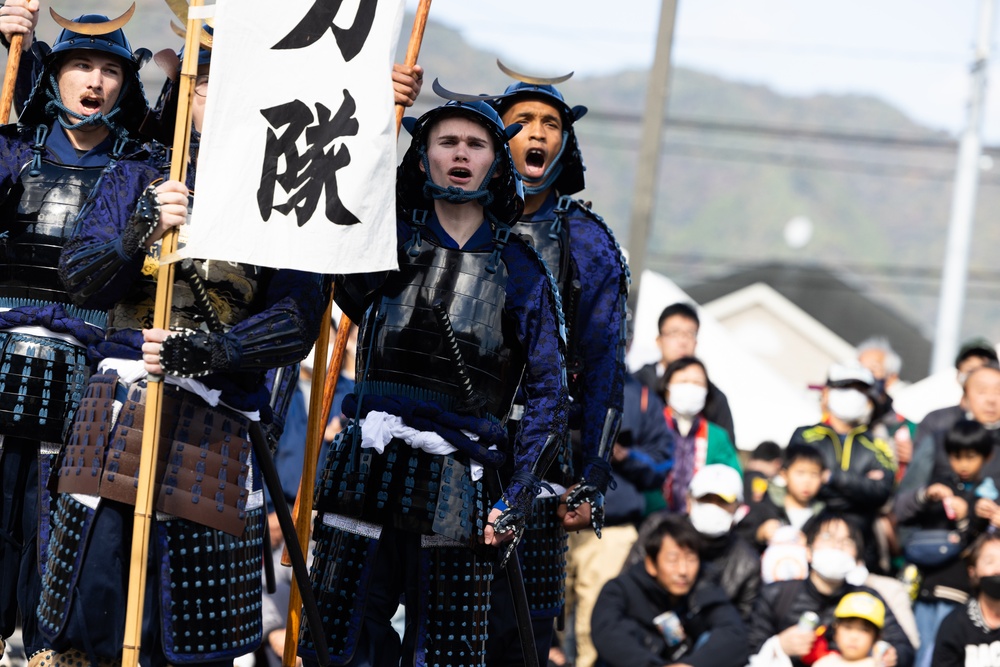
pixel 970 635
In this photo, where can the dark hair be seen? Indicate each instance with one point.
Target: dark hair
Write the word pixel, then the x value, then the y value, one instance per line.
pixel 685 310
pixel 967 435
pixel 679 365
pixel 976 548
pixel 766 451
pixel 815 524
pixel 678 528
pixel 868 624
pixel 803 452
pixel 977 347
pixel 989 364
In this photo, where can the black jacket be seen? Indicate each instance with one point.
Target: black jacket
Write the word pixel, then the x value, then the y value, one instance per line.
pixel 738 564
pixel 771 507
pixel 950 581
pixel 780 605
pixel 850 490
pixel 716 409
pixel 930 460
pixel 624 635
pixel 965 640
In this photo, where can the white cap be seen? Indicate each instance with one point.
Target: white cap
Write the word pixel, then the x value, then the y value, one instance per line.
pixel 717 480
pixel 845 374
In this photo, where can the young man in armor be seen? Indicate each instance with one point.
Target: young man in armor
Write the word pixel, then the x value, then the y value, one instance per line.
pixel 411 504
pixel 580 251
pixel 81 117
pixel 229 324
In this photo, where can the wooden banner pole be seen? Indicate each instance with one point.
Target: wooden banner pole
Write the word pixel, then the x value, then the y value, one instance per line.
pixel 10 77
pixel 304 500
pixel 145 496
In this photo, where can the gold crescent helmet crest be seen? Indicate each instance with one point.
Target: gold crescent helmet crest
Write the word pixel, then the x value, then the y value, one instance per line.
pixel 533 80
pixel 205 38
pixel 180 7
pixel 92 29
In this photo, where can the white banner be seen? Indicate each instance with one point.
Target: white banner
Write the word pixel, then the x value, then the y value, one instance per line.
pixel 297 165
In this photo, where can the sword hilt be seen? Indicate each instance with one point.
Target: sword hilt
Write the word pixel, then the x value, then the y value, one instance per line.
pixel 472 403
pixel 189 273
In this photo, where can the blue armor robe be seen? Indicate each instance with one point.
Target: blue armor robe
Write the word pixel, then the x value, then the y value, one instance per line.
pixel 416 517
pixel 43 341
pixel 207 539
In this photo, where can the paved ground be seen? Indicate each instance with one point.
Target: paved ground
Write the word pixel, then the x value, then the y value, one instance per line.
pixel 14 655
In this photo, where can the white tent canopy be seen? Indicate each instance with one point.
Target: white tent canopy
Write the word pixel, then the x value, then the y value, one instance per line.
pixel 936 391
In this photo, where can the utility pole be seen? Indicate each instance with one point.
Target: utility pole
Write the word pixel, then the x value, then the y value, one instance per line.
pixel 649 152
pixel 963 204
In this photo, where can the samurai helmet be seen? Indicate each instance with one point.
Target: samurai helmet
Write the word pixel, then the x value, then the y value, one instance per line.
pixel 566 171
pixel 501 193
pixel 90 32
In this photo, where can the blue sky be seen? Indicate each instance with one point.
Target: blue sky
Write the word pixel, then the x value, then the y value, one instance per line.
pixel 914 54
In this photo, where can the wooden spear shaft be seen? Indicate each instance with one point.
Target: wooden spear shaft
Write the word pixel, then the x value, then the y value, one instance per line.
pixel 10 77
pixel 304 500
pixel 145 495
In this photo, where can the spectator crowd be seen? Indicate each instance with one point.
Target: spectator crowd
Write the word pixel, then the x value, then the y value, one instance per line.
pixel 866 539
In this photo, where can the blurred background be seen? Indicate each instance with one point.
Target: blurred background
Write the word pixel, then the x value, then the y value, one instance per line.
pixel 806 172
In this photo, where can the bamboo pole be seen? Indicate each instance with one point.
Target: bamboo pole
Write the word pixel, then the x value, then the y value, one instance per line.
pixel 304 500
pixel 10 77
pixel 145 495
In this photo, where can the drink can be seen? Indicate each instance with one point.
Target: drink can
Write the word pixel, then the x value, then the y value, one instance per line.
pixel 911 577
pixel 670 625
pixel 879 650
pixel 809 620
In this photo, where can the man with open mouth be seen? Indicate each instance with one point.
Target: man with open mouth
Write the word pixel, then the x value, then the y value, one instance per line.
pixel 411 501
pixel 581 253
pixel 81 115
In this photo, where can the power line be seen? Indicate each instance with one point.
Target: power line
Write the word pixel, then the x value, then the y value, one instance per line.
pixel 884 272
pixel 673 148
pixel 822 50
pixel 791 132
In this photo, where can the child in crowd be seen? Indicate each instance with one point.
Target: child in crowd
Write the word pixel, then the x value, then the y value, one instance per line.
pixel 860 618
pixel 969 636
pixel 942 522
pixel 764 464
pixel 791 497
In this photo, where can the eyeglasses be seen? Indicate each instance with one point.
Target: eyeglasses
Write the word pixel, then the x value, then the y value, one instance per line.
pixel 201 85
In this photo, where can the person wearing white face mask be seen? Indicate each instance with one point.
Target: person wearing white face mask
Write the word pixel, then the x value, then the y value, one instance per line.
pixel 697 441
pixel 714 498
pixel 862 466
pixel 779 634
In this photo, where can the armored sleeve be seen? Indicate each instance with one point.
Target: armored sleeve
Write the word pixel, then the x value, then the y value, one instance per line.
pixel 98 265
pixel 599 334
pixel 285 330
pixel 532 304
pixel 354 293
pixel 14 154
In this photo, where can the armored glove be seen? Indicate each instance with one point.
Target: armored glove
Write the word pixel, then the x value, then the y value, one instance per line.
pixel 192 354
pixel 588 493
pixel 515 513
pixel 142 223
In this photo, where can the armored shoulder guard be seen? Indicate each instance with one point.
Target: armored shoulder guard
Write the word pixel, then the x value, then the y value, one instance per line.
pixel 580 208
